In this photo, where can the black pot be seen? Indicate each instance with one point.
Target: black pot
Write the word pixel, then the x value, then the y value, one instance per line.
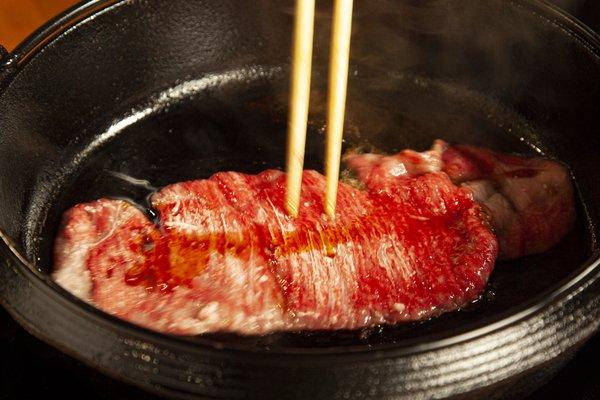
pixel 166 91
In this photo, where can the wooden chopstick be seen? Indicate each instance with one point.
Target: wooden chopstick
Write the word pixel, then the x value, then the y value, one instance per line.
pixel 336 103
pixel 299 99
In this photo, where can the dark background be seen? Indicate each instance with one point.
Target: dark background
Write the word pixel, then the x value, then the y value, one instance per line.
pixel 32 369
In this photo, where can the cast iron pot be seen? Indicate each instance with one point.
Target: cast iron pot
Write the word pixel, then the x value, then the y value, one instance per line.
pixel 165 91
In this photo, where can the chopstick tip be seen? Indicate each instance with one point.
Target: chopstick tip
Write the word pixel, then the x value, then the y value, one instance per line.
pixel 291 209
pixel 330 209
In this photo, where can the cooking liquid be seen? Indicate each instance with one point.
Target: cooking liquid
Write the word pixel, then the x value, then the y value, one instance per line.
pixel 203 135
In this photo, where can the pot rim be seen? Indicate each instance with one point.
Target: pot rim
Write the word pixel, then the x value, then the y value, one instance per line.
pixel 588 272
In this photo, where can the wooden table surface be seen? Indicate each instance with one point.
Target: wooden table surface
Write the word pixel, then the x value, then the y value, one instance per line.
pixel 18 18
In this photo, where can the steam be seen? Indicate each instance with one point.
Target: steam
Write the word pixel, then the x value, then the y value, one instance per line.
pixel 495 55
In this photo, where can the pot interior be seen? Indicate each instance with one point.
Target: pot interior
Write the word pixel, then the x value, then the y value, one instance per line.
pixel 241 127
